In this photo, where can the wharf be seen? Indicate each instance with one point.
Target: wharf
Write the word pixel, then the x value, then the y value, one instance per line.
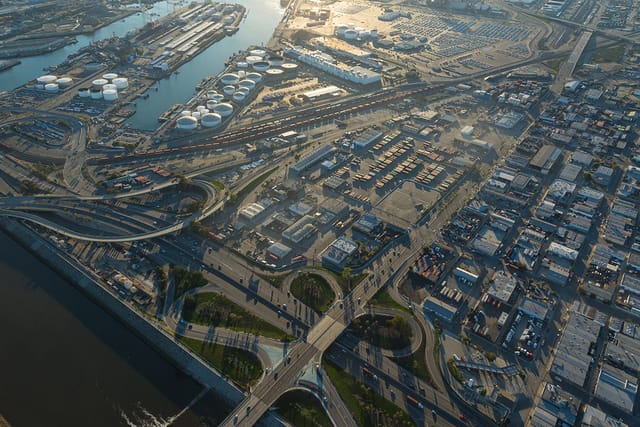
pixel 6 64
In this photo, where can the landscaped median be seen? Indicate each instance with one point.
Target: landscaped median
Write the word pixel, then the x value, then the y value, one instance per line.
pixel 367 407
pixel 313 290
pixel 212 309
pixel 240 366
pixel 302 409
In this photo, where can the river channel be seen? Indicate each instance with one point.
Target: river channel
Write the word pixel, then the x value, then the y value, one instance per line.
pixel 63 360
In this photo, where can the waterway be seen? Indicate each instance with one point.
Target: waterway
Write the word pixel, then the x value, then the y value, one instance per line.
pixel 63 360
pixel 261 20
pixel 262 17
pixel 66 362
pixel 32 66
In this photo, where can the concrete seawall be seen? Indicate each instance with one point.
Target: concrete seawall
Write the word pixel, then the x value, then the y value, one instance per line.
pixel 89 284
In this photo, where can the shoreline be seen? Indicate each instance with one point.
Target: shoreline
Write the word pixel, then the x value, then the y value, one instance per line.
pixel 162 343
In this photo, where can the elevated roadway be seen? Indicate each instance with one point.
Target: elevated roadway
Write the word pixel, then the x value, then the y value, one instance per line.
pixel 213 205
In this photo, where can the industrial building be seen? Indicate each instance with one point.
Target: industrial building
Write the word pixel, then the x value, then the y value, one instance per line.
pixel 439 308
pixel 556 408
pixel 502 286
pixel 466 275
pixel 545 159
pixel 338 253
pixel 617 388
pixel 328 64
pixel 321 93
pixel 313 158
pixel 572 359
pixel 533 308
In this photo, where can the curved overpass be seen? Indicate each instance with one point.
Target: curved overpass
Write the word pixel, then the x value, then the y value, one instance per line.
pixel 205 212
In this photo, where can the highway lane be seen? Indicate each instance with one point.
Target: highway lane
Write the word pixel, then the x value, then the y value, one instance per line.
pixel 395 383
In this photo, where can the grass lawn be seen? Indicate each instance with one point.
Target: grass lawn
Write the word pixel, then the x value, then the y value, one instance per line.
pixel 382 298
pixel 416 363
pixel 302 409
pixel 368 408
pixel 313 291
pixel 241 366
pixel 275 280
pixel 217 310
pixel 392 333
pixel 608 54
pixel 186 280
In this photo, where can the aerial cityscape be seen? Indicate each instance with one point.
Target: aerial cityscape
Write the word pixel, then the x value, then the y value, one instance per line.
pixel 320 213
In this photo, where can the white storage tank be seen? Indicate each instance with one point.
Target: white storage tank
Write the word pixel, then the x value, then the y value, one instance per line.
pixel 256 77
pixel 51 87
pixel 350 34
pixel 258 52
pixel 210 120
pixel 253 59
pixel 211 94
pixel 229 79
pixel 239 97
pixel 196 115
pixel 290 67
pixel 46 79
pixel 109 86
pixel 187 123
pixel 185 113
pixel 211 103
pixel 84 93
pixel 110 94
pixel 244 90
pixel 110 76
pixel 228 90
pixel 64 81
pixel 218 97
pixel 121 83
pixel 249 84
pixel 224 109
pixel 98 83
pixel 242 64
pixel 241 74
pixel 275 60
pixel 96 93
pixel 340 29
pixel 261 66
pixel 274 72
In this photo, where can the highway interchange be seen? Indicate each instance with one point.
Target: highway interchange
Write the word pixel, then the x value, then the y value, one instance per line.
pixel 317 336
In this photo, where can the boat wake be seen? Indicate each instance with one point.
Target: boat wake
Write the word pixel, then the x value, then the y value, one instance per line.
pixel 141 417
